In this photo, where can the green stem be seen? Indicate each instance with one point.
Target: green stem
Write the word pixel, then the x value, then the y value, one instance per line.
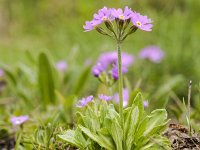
pixel 18 140
pixel 120 85
pixel 189 99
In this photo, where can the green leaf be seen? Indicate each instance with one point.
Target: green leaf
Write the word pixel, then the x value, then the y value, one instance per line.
pixel 11 76
pixel 81 81
pixel 153 123
pixel 138 101
pixel 100 139
pixel 132 119
pixel 133 94
pixel 130 126
pixel 104 134
pixel 74 138
pixel 91 120
pixel 117 133
pixel 112 113
pixel 157 121
pixel 114 128
pixel 103 108
pixel 46 81
pixel 157 142
pixel 39 136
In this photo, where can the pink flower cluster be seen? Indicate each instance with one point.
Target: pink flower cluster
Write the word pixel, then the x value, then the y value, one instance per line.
pixel 110 14
pixel 152 53
pixel 110 59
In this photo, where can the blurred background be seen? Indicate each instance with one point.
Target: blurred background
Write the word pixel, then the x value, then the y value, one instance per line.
pixel 55 29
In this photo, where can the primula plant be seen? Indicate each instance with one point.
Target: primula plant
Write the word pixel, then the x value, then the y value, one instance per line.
pixel 100 125
pixel 123 20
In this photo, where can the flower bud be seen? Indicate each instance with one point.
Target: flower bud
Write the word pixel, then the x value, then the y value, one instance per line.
pixel 132 29
pixel 102 31
pixel 117 21
pixel 109 25
pixel 126 23
pixel 121 24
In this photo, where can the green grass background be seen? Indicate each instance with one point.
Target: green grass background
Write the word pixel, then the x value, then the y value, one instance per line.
pixel 56 27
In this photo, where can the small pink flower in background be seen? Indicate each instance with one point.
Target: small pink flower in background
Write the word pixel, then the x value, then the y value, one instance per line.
pixel 112 57
pixel 109 59
pixel 1 73
pixel 125 97
pixel 84 101
pixel 145 103
pixel 98 69
pixel 115 74
pixel 152 53
pixel 105 97
pixel 19 120
pixel 61 66
pixel 141 22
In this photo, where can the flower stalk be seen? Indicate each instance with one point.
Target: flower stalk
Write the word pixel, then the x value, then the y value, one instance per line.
pixel 120 86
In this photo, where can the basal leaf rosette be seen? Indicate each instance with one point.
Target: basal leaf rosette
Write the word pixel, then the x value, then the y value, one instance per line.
pixel 99 127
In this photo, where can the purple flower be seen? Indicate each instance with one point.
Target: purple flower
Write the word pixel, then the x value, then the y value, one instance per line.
pixel 125 97
pixel 84 101
pixel 145 103
pixel 142 22
pixel 104 97
pixel 103 15
pixel 107 14
pixel 61 66
pixel 115 71
pixel 118 13
pixel 98 68
pixel 1 73
pixel 153 53
pixel 19 120
pixel 110 59
pixel 89 25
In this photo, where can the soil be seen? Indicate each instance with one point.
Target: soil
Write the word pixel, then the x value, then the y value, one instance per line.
pixel 181 138
pixel 7 144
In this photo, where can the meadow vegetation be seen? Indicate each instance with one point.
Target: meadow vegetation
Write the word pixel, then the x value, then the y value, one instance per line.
pixel 48 68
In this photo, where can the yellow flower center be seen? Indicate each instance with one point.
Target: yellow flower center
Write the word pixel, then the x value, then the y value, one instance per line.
pixel 104 18
pixel 138 23
pixel 121 16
